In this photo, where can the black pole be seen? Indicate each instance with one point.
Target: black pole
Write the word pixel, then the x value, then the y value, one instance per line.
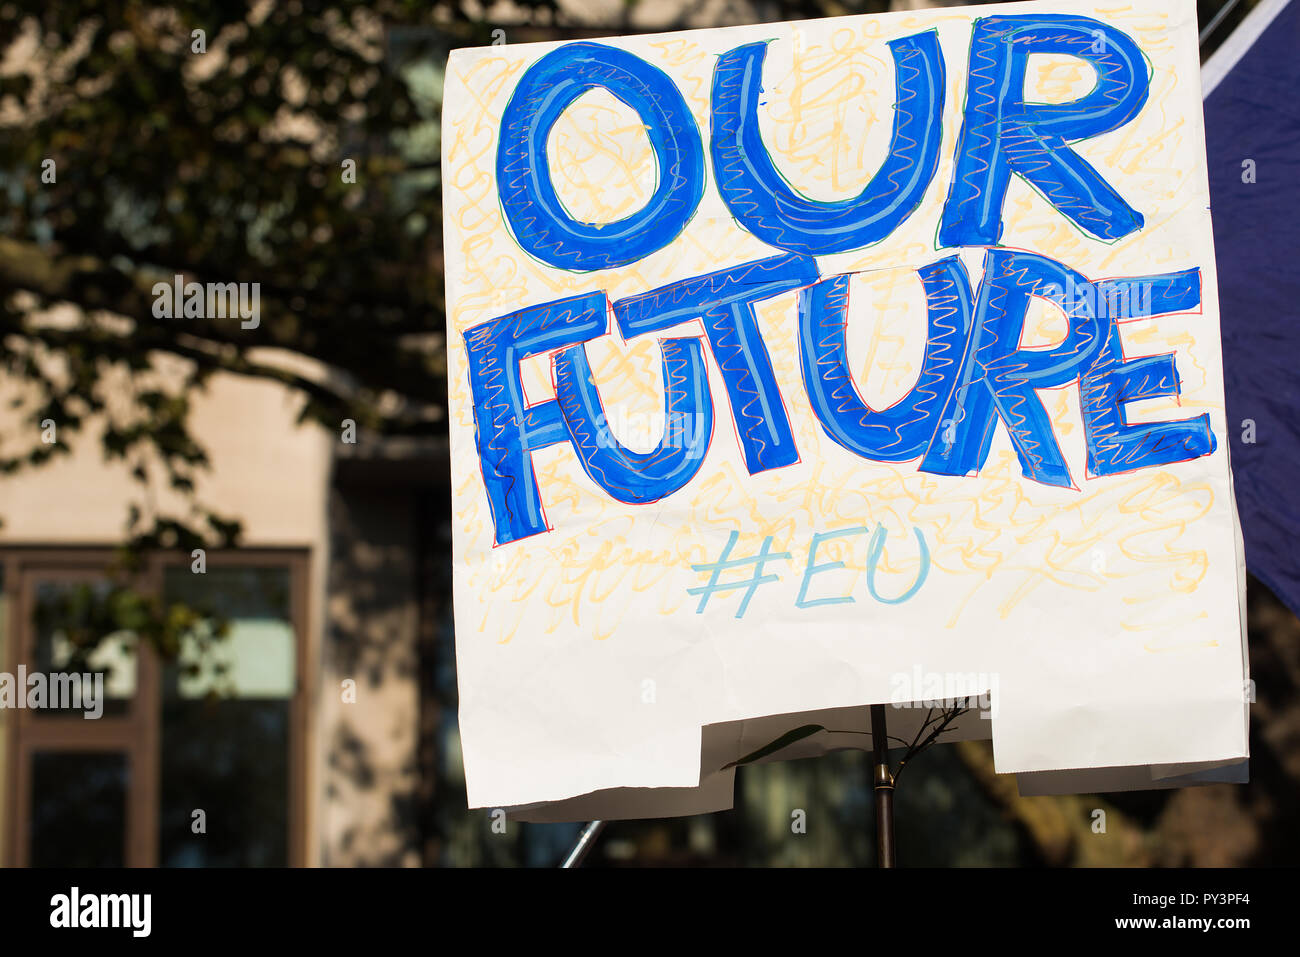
pixel 883 788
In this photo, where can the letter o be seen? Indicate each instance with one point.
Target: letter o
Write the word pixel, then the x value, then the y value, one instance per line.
pixel 536 216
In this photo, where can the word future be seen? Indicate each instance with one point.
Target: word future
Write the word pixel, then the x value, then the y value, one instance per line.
pixel 974 372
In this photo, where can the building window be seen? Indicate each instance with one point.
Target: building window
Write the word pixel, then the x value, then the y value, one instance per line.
pixel 198 758
pixel 78 809
pixel 223 713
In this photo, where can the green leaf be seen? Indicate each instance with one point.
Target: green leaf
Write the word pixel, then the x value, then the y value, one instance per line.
pixel 787 739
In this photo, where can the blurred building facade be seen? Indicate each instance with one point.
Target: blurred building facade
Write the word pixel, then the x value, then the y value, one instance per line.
pixel 330 739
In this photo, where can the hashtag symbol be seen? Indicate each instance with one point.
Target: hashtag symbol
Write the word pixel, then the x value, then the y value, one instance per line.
pixel 726 562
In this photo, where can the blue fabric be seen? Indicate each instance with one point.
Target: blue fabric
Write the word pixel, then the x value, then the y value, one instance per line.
pixel 1254 114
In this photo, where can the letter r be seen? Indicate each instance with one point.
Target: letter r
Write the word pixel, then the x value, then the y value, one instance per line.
pixel 1002 134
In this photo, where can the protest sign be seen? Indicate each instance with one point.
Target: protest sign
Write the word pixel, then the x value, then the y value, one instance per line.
pixel 803 366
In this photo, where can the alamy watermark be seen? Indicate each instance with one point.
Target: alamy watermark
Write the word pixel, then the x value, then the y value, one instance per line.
pixel 944 689
pixel 1115 300
pixel 75 909
pixel 664 430
pixel 214 300
pixel 65 691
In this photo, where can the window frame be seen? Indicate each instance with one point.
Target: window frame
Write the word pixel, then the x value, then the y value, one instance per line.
pixel 138 733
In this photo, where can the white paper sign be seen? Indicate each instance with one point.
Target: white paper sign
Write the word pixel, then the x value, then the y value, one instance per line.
pixel 804 366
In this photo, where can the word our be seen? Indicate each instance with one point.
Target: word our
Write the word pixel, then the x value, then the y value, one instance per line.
pixel 1001 134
